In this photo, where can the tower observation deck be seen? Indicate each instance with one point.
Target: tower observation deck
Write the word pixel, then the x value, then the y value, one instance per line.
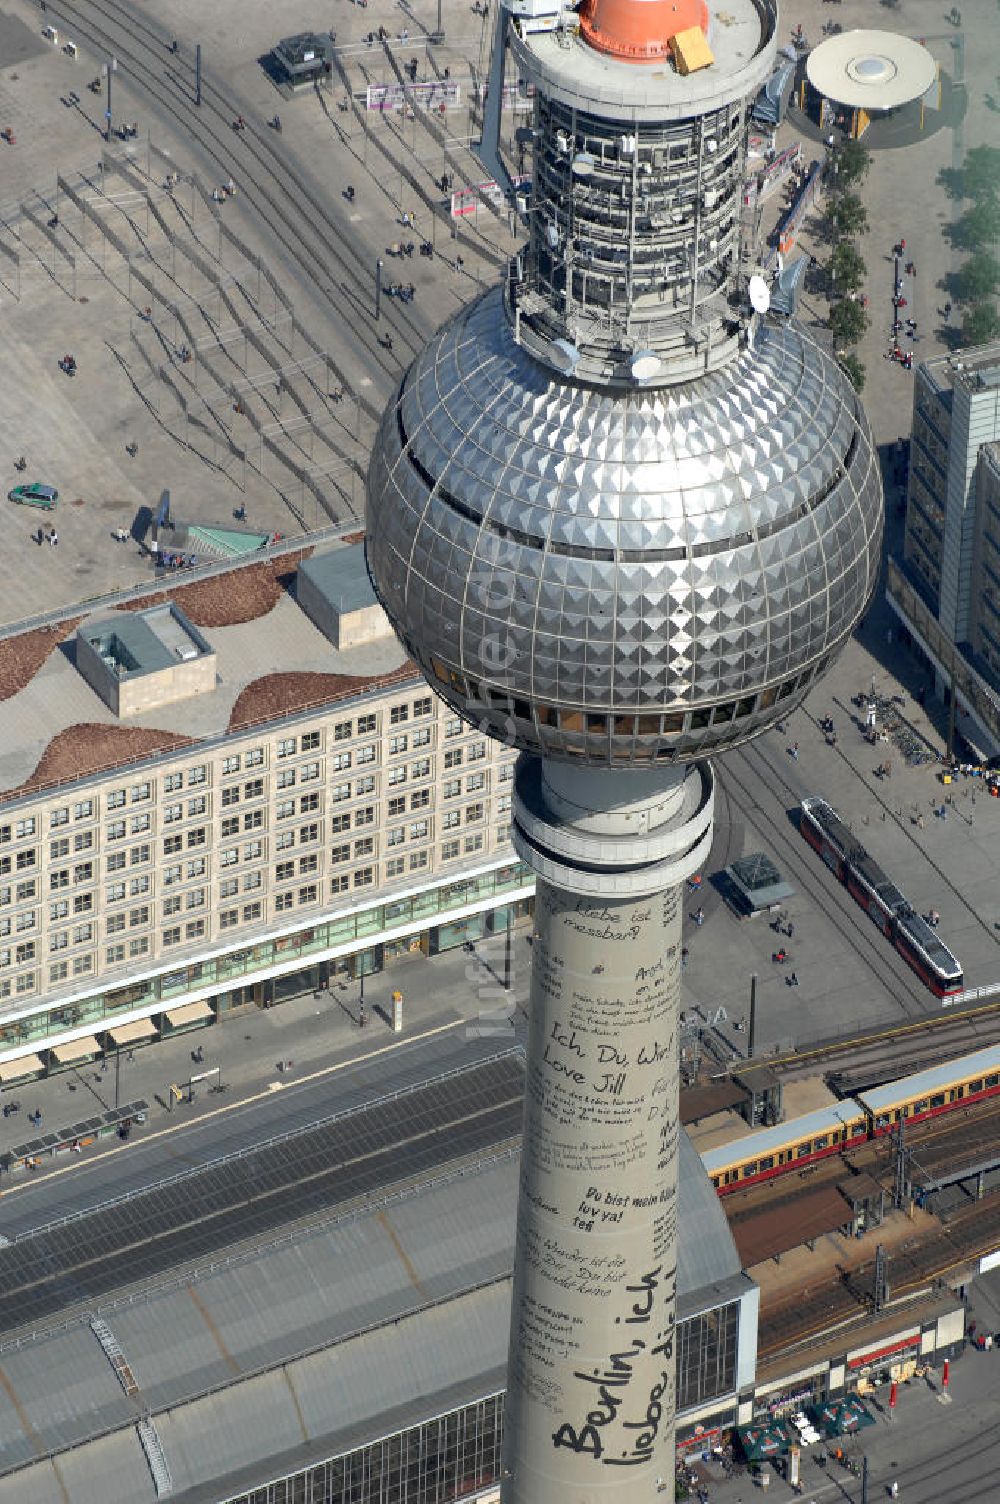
pixel 622 522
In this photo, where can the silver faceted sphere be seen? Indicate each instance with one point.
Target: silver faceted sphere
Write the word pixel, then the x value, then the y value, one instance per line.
pixel 622 578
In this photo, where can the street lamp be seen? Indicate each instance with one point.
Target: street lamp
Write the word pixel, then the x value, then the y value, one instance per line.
pixel 108 68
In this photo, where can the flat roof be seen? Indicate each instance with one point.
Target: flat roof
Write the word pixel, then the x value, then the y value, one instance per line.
pixel 341 577
pixel 271 661
pixel 778 1229
pixel 871 70
pixel 922 1083
pixel 769 1140
pixel 145 642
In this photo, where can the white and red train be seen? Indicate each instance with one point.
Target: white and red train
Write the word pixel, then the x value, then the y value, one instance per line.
pixel 878 895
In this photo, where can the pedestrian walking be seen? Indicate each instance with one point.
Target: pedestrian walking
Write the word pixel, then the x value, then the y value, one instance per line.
pixel 699 917
pixel 53 538
pixel 794 751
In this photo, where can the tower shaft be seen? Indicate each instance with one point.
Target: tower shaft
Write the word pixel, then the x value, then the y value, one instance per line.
pixel 591 1395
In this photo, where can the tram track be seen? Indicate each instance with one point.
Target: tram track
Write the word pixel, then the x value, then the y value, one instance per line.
pixel 811 877
pixel 286 203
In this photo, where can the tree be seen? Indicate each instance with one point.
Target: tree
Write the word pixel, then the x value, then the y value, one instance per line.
pixel 981 173
pixel 851 162
pixel 848 321
pixel 979 226
pixel 978 279
pixel 854 371
pixel 847 215
pixel 980 324
pixel 846 266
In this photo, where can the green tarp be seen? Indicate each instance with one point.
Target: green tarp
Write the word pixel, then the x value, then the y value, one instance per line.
pixel 842 1417
pixel 762 1441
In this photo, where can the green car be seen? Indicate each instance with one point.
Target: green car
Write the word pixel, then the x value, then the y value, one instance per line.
pixel 35 496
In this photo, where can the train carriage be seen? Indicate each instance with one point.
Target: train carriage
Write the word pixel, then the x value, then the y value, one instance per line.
pixel 768 1152
pixel 930 1092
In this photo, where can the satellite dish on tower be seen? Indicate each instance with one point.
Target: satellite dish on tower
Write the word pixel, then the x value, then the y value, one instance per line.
pixel 760 294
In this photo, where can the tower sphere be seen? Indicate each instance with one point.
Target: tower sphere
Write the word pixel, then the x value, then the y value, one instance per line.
pixel 616 518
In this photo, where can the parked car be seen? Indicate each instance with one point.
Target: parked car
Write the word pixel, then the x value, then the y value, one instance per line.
pixel 35 495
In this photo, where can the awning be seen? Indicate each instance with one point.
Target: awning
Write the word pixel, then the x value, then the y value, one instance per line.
pixel 142 1028
pixel 762 1441
pixel 768 1234
pixel 189 1014
pixel 76 1049
pixel 24 1065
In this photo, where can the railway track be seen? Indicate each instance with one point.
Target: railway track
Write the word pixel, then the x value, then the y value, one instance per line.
pixel 286 202
pixel 767 812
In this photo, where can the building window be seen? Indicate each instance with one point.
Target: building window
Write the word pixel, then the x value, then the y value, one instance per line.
pixel 229 856
pixel 58 848
pixel 82 933
pixel 173 812
pixel 229 888
pixel 396 836
pixel 422 736
pixel 307 803
pixel 506 774
pixel 418 860
pixel 308 833
pixel 141 791
pixel 228 918
pixel 477 751
pixel 58 941
pixel 284 839
pixel 397 774
pixel 343 731
pixel 252 882
pixel 421 799
pixel 116 830
pixel 453 757
pixel 114 893
pixel 57 910
pixel 473 812
pixel 197 775
pixel 59 817
pixel 308 865
pixel 285 809
pixel 172 936
pixel 284 872
pixel 397 806
pixel 171 875
pixel 473 843
pixel 82 965
pixel 398 714
pixel 196 837
pixel 366 725
pixel 423 707
pixel 365 815
pixel 475 782
pixel 418 830
pixel 171 906
pixel 364 847
pixel 26 859
pixel 340 792
pixel 367 753
pixel 452 788
pixel 253 788
pixel 197 805
pixel 230 826
pixel 172 782
pixel 138 855
pixel 115 924
pixel 340 883
pixel 59 879
pixel 255 757
pixel 452 819
pixel 395 867
pixel 340 853
pixel 140 823
pixel 365 785
pixel 308 894
pixel 285 778
pixel 449 851
pixel 253 820
pixel 398 744
pixel 115 862
pixel 113 955
pixel 453 726
pixel 231 764
pixel 364 876
pixel 252 911
pixel 83 903
pixel 138 946
pixel 253 851
pixel 286 746
pixel 230 795
pixel 340 762
pixel 24 952
pixel 115 799
pixel 310 741
pixel 196 867
pixel 194 929
pixel 194 899
pixel 283 902
pixel 137 917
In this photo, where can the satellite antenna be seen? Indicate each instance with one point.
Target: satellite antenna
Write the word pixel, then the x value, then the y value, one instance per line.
pixel 760 294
